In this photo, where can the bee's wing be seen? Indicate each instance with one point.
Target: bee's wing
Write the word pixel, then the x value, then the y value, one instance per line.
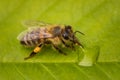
pixel 30 29
pixel 33 23
pixel 35 32
pixel 20 36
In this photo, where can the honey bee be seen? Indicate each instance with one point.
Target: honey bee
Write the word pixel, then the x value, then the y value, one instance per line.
pixel 40 34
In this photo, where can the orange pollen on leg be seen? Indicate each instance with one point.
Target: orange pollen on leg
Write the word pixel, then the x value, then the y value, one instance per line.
pixel 37 49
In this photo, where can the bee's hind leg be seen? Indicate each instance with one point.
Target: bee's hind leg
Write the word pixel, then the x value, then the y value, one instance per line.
pixel 34 52
pixel 58 49
pixel 30 56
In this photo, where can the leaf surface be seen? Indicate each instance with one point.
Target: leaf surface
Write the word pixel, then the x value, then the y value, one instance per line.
pixel 98 20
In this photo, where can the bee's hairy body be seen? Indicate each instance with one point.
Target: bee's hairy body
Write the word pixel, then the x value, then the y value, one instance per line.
pixel 39 35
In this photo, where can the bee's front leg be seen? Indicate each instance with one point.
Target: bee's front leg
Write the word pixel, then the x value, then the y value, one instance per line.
pixel 34 52
pixel 72 46
pixel 58 49
pixel 68 46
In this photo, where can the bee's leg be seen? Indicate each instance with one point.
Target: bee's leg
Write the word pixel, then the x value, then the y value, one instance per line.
pixel 34 52
pixel 68 46
pixel 72 46
pixel 78 43
pixel 59 50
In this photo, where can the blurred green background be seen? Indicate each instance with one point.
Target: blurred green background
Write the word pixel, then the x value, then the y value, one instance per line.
pixel 99 20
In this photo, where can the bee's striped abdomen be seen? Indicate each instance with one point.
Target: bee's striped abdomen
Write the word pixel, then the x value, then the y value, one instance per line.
pixel 35 36
pixel 31 38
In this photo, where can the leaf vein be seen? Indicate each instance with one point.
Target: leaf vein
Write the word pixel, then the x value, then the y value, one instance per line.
pixel 46 68
pixel 19 72
pixel 81 71
pixel 102 70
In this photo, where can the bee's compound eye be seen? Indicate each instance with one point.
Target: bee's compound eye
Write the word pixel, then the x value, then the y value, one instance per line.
pixel 65 36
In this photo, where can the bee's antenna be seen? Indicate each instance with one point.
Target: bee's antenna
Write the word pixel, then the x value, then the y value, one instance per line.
pixel 74 37
pixel 78 32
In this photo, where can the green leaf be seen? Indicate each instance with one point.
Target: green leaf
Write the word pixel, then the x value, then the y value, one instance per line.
pixel 98 20
pixel 59 71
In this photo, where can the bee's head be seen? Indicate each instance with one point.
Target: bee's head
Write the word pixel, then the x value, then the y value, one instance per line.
pixel 68 34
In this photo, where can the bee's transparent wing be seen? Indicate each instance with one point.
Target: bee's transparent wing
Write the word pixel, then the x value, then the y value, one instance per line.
pixel 33 23
pixel 20 36
pixel 36 32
